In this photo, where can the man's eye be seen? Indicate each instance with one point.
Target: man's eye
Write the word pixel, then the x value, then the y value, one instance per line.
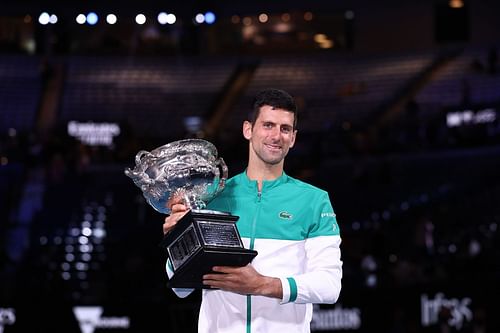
pixel 286 130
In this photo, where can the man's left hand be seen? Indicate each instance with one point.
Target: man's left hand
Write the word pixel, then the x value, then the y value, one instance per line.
pixel 243 280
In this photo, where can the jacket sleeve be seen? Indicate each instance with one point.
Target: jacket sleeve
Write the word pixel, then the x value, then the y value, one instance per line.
pixel 321 280
pixel 180 292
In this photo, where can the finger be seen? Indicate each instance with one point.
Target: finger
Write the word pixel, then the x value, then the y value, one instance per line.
pixel 210 277
pixel 228 285
pixel 222 269
pixel 168 226
pixel 178 208
pixel 174 201
pixel 227 269
pixel 174 217
pixel 170 223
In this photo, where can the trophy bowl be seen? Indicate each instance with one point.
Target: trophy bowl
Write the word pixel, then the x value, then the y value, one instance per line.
pixel 189 169
pixel 192 171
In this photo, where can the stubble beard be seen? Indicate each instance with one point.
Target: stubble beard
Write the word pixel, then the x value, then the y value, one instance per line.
pixel 269 158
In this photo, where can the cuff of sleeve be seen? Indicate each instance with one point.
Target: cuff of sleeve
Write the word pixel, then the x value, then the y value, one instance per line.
pixel 289 287
pixel 169 269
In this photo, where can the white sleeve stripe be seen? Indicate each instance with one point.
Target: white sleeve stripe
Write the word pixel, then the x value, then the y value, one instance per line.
pixel 286 290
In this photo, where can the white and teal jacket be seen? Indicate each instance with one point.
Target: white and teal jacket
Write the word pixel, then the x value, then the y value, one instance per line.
pixel 293 227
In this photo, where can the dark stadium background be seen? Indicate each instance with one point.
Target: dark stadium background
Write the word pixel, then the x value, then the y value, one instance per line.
pixel 399 105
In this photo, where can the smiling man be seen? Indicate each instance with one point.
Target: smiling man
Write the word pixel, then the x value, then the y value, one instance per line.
pixel 290 223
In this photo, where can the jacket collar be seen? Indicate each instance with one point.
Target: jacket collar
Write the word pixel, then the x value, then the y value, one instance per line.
pixel 266 184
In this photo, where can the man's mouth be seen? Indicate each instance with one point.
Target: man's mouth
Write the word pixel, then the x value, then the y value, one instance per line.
pixel 273 147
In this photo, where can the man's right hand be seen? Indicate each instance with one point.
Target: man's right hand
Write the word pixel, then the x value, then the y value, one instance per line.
pixel 178 211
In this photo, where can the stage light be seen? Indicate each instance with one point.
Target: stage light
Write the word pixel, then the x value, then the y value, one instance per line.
pixel 99 233
pixel 247 21
pixel 199 18
pixel 111 18
pixel 456 4
pixel 356 225
pixel 327 44
pixel 43 240
pixel 53 19
pixel 81 19
pixel 81 266
pixel 92 18
pixel 162 18
pixel 86 231
pixel 12 132
pixel 263 18
pixel 75 232
pixel 320 38
pixel 371 281
pixel 83 240
pixel 171 18
pixel 140 19
pixel 84 248
pixel 209 18
pixel 235 19
pixel 44 18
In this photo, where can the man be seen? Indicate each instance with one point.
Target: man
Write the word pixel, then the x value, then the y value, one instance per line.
pixel 290 223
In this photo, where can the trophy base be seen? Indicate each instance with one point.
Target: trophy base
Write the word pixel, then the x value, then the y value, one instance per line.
pixel 200 241
pixel 191 276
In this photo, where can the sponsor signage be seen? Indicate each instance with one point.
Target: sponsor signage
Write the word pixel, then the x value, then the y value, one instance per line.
pixel 457 310
pixel 94 134
pixel 338 318
pixel 90 317
pixel 7 317
pixel 471 117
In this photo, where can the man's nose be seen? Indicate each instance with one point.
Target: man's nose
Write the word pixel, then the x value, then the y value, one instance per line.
pixel 275 133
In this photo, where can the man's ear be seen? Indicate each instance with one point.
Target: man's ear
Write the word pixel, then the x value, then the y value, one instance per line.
pixel 247 130
pixel 294 136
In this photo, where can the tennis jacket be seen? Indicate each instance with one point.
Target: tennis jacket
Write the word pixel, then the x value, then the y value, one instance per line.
pixel 293 227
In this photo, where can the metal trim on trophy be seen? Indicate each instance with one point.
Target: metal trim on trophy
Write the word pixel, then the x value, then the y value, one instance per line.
pixel 191 169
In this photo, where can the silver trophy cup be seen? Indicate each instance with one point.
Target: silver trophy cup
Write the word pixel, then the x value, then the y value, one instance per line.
pixel 192 171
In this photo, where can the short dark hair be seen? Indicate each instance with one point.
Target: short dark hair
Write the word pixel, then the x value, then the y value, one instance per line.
pixel 275 98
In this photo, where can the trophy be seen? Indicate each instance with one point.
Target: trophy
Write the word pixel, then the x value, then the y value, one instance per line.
pixel 191 170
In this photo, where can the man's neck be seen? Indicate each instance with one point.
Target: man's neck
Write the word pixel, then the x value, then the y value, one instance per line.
pixel 261 171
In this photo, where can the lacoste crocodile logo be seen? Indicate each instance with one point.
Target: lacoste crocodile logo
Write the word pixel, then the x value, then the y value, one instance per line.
pixel 285 216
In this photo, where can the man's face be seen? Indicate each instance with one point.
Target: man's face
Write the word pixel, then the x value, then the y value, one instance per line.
pixel 272 134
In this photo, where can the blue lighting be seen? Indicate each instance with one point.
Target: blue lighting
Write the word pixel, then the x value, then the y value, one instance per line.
pixel 209 17
pixel 92 18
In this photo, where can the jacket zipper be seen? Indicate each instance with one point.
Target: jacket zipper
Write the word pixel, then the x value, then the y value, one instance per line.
pixel 254 222
pixel 252 243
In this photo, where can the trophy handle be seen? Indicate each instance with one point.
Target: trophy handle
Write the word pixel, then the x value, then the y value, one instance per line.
pixel 138 175
pixel 139 156
pixel 224 173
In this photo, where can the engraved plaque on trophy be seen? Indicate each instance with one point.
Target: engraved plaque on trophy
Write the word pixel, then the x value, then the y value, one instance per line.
pixel 190 169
